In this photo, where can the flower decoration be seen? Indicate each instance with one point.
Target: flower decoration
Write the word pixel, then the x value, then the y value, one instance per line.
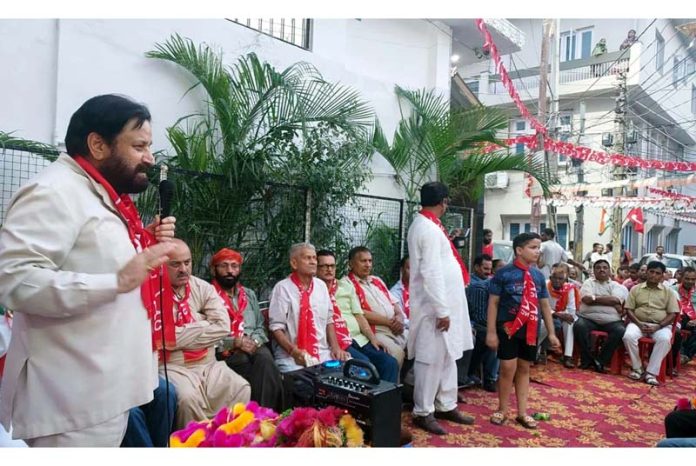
pixel 251 425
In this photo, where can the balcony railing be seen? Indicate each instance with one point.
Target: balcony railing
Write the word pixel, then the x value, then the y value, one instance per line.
pixel 609 64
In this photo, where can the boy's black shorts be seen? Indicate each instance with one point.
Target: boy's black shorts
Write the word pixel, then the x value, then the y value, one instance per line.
pixel 515 347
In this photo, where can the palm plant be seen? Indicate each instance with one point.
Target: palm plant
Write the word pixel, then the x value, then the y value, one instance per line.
pixel 434 142
pixel 261 130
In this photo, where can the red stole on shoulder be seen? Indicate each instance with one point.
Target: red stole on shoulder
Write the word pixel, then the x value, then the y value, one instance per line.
pixel 142 239
pixel 465 272
pixel 236 314
pixel 340 325
pixel 685 303
pixel 528 310
pixel 364 305
pixel 306 331
pixel 183 317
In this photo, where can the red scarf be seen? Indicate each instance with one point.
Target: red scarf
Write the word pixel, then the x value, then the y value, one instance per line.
pixel 431 216
pixel 340 325
pixel 685 303
pixel 306 331
pixel 183 317
pixel 236 314
pixel 404 298
pixel 364 305
pixel 528 310
pixel 141 239
pixel 562 296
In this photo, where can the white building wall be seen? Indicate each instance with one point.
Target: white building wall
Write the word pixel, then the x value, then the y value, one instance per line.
pixel 503 206
pixel 55 65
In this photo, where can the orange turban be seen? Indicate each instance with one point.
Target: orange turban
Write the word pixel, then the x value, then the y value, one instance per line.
pixel 225 254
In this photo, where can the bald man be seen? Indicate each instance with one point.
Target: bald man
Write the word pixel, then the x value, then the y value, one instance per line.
pixel 203 385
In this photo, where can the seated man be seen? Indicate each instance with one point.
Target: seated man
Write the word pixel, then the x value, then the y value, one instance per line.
pixel 349 321
pixel 301 315
pixel 151 424
pixel 687 303
pixel 203 385
pixel 651 307
pixel 477 297
pixel 562 298
pixel 400 288
pixel 601 308
pixel 381 308
pixel 248 356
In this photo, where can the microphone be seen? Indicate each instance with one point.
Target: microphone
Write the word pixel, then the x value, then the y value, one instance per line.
pixel 166 193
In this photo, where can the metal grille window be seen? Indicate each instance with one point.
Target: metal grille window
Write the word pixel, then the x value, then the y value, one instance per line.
pixel 294 31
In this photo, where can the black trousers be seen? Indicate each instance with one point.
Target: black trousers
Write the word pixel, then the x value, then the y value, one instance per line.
pixel 260 371
pixel 582 329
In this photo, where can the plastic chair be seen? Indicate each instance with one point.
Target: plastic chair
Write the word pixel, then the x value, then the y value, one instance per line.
pixel 645 345
pixel 599 337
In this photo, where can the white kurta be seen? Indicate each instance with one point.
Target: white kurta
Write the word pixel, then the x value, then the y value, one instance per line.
pixel 436 291
pixel 284 314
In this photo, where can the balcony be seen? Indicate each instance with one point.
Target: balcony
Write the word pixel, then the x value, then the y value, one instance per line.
pixel 507 37
pixel 590 76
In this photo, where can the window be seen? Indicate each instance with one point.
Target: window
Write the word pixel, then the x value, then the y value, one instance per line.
pixel 514 230
pixel 627 238
pixel 520 127
pixel 651 242
pixel 671 242
pixel 659 53
pixel 562 235
pixel 576 44
pixel 693 99
pixel 565 128
pixel 585 43
pixel 567 46
pixel 294 31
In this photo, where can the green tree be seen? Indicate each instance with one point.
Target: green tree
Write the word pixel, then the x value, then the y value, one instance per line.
pixel 433 142
pixel 261 132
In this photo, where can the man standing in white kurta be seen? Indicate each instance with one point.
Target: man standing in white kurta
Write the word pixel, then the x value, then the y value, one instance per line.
pixel 440 330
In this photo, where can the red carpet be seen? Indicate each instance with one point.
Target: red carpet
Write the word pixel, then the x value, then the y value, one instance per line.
pixel 587 410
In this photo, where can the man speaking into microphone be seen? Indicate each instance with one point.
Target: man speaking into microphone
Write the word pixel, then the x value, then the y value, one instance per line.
pixel 80 272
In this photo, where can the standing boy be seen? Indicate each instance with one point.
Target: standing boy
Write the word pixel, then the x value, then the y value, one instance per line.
pixel 517 292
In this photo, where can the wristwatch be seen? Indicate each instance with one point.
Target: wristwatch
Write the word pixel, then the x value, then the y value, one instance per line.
pixel 256 342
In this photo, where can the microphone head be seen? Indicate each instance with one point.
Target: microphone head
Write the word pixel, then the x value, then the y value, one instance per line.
pixel 166 193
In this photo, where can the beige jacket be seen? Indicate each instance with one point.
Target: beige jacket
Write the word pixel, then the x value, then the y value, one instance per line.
pixel 80 353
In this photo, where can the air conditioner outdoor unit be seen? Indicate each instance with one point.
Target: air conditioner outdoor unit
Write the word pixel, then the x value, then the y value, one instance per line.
pixel 496 180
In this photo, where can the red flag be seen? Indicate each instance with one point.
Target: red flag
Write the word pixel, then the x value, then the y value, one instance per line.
pixel 635 215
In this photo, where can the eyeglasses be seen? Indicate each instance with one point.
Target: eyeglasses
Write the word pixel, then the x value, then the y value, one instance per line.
pixel 327 266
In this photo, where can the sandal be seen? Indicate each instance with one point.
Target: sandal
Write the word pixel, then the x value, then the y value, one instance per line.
pixel 498 418
pixel 651 380
pixel 526 421
pixel 636 374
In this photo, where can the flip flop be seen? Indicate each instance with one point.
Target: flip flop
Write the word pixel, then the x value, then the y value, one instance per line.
pixel 498 418
pixel 527 422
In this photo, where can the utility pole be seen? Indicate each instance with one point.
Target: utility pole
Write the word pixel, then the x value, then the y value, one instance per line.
pixel 580 210
pixel 541 115
pixel 619 132
pixel 550 157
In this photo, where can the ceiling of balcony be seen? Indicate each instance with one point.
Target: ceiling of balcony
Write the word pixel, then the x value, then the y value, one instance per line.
pixel 467 40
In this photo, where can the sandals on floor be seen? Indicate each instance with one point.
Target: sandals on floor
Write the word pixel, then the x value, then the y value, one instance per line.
pixel 526 421
pixel 498 418
pixel 651 380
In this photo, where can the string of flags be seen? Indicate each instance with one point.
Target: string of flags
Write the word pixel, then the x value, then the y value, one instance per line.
pixel 565 148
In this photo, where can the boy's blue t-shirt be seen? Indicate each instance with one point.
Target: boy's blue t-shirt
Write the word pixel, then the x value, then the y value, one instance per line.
pixel 508 283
